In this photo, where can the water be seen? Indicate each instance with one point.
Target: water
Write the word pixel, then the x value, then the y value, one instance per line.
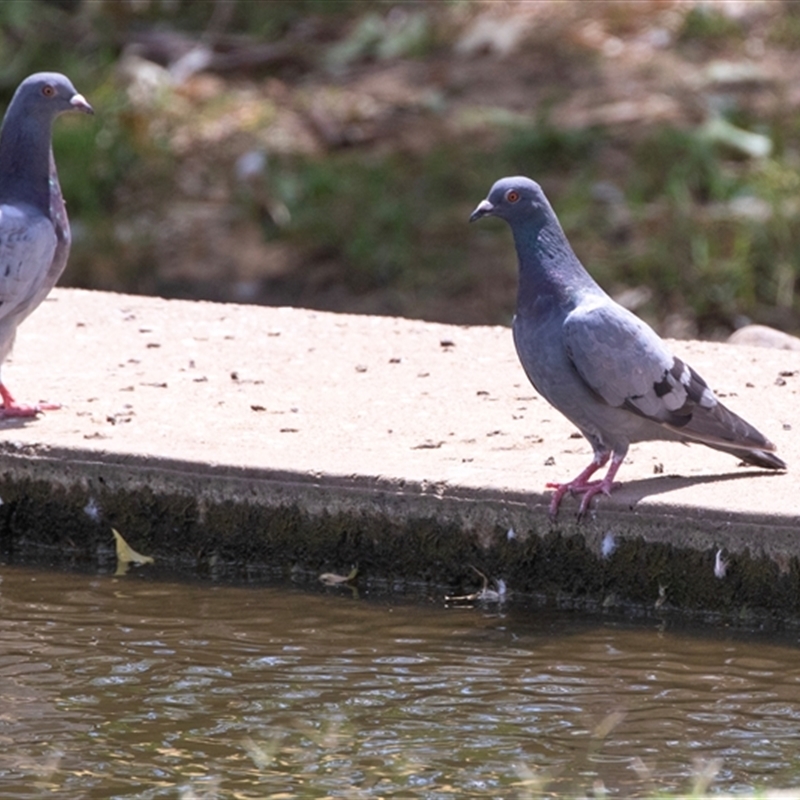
pixel 123 687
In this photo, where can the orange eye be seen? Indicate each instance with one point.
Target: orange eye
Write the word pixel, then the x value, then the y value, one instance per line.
pixel 512 196
pixel 48 90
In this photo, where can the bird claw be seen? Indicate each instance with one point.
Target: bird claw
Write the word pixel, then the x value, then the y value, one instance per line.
pixel 598 487
pixel 586 488
pixel 582 484
pixel 14 411
pixel 577 486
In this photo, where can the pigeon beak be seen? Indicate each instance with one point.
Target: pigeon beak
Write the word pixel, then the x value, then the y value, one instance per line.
pixel 484 209
pixel 78 102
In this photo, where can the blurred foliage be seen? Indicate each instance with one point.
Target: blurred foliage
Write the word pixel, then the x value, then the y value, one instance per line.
pixel 786 31
pixel 681 165
pixel 712 239
pixel 709 26
pixel 342 195
pixel 265 20
pixel 383 37
pixel 400 217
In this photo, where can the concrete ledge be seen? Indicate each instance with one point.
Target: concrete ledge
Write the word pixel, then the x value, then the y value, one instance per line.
pixel 236 440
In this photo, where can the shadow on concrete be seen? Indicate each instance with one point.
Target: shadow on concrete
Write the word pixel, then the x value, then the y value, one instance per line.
pixel 12 423
pixel 632 492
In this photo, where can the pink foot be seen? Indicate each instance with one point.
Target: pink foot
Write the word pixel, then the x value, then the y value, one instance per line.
pixel 12 410
pixel 604 486
pixel 582 484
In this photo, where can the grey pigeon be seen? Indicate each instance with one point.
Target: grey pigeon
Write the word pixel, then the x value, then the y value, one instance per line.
pixel 596 362
pixel 34 230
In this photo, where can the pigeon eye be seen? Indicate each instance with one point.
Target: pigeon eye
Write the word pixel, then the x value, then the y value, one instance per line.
pixel 512 196
pixel 48 90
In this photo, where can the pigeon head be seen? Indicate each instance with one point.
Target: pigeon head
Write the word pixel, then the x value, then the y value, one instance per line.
pixel 45 95
pixel 515 200
pixel 25 140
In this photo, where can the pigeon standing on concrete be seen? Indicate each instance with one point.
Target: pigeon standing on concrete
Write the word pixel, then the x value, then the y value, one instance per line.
pixel 34 230
pixel 596 362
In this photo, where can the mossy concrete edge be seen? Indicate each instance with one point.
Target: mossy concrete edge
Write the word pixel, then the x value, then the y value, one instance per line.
pixel 225 522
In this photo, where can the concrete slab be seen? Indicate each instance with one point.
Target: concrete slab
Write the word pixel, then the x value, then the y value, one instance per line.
pixel 358 418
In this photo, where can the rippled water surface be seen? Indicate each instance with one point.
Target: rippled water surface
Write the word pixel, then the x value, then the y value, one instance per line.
pixel 120 687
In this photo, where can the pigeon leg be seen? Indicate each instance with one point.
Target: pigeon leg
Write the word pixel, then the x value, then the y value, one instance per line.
pixel 603 486
pixel 580 484
pixel 12 409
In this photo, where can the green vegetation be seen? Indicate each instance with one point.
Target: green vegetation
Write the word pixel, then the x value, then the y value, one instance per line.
pixel 710 27
pixel 400 219
pixel 371 167
pixel 712 237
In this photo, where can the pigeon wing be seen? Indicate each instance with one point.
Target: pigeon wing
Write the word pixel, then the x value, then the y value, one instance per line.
pixel 627 365
pixel 27 247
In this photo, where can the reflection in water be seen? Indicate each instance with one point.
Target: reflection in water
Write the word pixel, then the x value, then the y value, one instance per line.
pixel 117 687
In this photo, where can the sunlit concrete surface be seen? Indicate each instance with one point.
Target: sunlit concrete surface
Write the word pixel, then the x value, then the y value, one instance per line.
pixel 385 416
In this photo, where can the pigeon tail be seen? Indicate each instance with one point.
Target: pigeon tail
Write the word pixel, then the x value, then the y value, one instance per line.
pixel 755 457
pixel 709 422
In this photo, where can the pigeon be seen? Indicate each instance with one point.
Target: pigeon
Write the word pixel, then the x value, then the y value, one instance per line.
pixel 596 362
pixel 34 230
